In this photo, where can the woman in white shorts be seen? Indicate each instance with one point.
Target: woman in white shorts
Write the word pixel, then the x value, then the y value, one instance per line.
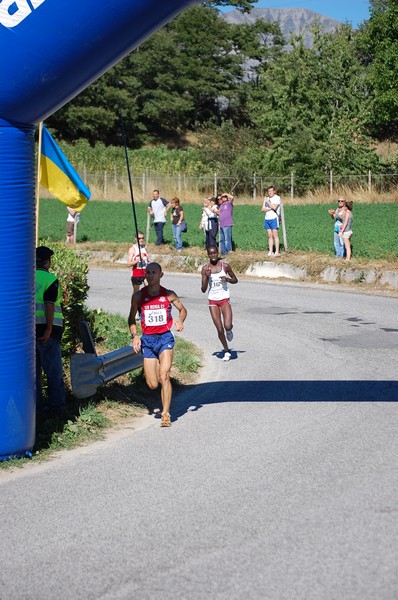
pixel 346 231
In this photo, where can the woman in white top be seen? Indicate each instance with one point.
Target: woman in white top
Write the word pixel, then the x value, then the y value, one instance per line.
pixel 216 275
pixel 346 231
pixel 210 207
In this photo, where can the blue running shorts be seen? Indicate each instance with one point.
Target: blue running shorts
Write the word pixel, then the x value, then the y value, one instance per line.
pixel 153 345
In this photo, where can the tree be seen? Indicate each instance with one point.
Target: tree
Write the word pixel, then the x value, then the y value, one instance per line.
pixel 311 105
pixel 234 152
pixel 95 113
pixel 378 41
pixel 189 73
pixel 242 5
pixel 183 69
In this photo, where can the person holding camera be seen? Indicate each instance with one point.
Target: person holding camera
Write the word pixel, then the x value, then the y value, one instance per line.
pixel 226 209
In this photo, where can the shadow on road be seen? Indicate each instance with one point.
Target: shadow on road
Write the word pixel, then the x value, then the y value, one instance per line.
pixel 194 397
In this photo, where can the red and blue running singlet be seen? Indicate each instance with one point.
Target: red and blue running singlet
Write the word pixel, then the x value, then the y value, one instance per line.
pixel 155 312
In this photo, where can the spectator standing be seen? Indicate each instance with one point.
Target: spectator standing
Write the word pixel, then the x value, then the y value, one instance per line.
pixel 338 215
pixel 216 275
pixel 154 303
pixel 71 225
pixel 176 216
pixel 204 222
pixel 271 207
pixel 49 330
pixel 346 231
pixel 210 207
pixel 226 208
pixel 137 258
pixel 157 209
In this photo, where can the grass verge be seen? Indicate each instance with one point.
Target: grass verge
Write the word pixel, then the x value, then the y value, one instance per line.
pixel 115 404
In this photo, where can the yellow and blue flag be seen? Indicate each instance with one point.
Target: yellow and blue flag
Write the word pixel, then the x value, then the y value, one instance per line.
pixel 58 175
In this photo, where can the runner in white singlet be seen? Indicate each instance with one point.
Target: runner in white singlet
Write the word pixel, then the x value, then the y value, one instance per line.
pixel 216 275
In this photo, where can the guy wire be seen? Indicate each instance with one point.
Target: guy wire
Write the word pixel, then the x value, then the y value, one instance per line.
pixel 128 166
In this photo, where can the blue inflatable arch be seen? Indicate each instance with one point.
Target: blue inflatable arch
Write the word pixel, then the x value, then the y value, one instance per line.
pixel 50 51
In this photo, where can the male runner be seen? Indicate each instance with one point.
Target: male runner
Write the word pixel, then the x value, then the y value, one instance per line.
pixel 157 341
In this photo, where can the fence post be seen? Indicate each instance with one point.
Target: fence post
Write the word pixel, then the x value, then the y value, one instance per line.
pixel 370 181
pixel 105 185
pixel 148 227
pixel 331 183
pixel 284 228
pixel 215 185
pixel 179 184
pixel 254 188
pixel 291 185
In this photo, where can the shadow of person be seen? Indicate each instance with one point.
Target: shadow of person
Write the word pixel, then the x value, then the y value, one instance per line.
pixel 191 398
pixel 234 354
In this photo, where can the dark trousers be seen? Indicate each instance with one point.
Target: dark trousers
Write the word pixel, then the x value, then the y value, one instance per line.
pixel 48 358
pixel 159 233
pixel 211 235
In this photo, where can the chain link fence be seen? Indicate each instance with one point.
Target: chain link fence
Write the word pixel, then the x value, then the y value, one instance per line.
pixel 108 185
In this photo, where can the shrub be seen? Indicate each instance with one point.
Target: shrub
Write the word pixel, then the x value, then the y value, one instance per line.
pixel 71 268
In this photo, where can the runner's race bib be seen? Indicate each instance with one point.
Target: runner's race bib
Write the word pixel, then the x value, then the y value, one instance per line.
pixel 155 317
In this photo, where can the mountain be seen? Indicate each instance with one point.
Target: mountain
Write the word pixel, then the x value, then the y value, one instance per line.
pixel 291 20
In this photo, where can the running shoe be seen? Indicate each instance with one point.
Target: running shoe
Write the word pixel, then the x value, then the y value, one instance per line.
pixel 227 356
pixel 165 422
pixel 230 335
pixel 271 254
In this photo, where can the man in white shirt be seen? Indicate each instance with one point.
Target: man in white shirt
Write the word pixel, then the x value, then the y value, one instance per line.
pixel 272 206
pixel 157 208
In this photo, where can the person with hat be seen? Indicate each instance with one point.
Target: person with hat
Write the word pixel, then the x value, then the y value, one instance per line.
pixel 49 330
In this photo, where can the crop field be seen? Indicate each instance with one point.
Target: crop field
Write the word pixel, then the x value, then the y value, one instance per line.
pixel 309 228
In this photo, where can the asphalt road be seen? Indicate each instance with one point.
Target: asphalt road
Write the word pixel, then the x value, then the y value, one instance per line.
pixel 278 479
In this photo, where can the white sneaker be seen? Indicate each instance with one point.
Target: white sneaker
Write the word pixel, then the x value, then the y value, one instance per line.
pixel 227 356
pixel 271 254
pixel 276 254
pixel 230 335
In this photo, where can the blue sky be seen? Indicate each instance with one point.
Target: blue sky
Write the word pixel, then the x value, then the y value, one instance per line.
pixel 354 11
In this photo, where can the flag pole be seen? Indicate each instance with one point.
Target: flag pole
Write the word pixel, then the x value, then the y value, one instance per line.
pixel 38 182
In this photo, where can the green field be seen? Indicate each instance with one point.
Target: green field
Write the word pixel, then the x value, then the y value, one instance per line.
pixel 309 227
